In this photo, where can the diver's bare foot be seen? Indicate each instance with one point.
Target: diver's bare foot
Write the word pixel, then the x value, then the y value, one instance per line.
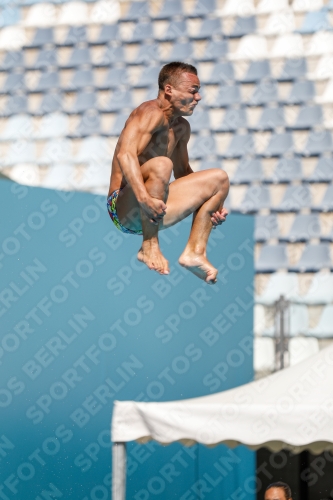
pixel 199 265
pixel 152 256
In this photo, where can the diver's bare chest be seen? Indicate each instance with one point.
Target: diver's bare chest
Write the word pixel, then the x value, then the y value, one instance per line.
pixel 162 143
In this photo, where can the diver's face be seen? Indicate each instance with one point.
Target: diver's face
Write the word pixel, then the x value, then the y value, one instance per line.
pixel 185 94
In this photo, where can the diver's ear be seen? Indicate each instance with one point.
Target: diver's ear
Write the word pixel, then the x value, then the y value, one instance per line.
pixel 168 89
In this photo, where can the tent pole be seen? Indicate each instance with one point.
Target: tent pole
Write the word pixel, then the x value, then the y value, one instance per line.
pixel 303 466
pixel 118 471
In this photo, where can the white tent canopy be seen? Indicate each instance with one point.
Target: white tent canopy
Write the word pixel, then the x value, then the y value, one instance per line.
pixel 291 409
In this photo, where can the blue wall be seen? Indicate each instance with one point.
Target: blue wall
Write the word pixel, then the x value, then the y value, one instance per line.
pixel 83 323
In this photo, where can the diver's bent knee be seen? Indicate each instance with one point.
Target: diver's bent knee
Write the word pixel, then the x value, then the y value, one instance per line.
pixel 165 163
pixel 161 167
pixel 221 177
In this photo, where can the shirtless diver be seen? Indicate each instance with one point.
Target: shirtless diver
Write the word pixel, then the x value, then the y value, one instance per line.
pixel 141 198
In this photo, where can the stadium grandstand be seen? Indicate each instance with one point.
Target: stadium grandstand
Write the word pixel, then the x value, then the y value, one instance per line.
pixel 71 72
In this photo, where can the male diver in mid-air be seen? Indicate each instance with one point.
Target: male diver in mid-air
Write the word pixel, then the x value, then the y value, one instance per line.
pixel 141 198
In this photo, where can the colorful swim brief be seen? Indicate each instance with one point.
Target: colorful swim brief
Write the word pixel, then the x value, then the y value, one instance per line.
pixel 112 209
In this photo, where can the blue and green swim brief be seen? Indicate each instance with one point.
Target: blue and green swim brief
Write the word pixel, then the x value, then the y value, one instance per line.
pixel 112 209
